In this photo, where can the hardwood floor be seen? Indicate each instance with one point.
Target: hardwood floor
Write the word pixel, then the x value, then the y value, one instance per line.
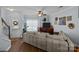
pixel 19 46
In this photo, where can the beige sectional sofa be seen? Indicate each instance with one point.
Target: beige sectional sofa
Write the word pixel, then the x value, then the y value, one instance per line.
pixel 51 43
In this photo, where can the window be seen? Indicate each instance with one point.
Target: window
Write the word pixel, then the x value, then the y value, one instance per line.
pixel 32 25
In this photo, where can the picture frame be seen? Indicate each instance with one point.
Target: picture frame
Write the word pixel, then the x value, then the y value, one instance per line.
pixel 69 18
pixel 62 21
pixel 56 20
pixel 71 25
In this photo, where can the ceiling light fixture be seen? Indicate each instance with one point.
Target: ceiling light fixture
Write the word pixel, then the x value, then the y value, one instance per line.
pixel 40 13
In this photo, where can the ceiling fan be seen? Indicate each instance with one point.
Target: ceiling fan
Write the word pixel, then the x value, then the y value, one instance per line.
pixel 42 12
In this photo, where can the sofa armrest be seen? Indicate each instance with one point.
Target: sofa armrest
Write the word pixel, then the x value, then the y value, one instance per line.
pixel 68 40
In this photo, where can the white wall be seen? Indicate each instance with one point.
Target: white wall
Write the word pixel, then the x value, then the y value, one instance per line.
pixel 9 17
pixel 72 33
pixel 0 19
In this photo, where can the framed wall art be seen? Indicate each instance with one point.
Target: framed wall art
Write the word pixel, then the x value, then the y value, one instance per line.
pixel 71 25
pixel 56 20
pixel 62 21
pixel 69 18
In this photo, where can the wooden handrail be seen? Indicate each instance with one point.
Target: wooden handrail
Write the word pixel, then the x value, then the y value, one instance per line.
pixel 6 25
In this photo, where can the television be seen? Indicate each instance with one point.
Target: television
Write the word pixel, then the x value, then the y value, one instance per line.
pixel 46 24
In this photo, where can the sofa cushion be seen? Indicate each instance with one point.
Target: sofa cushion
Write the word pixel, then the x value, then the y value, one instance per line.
pixel 56 45
pixel 41 34
pixel 58 37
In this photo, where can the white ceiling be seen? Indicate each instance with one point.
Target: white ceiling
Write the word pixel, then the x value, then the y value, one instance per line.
pixel 31 10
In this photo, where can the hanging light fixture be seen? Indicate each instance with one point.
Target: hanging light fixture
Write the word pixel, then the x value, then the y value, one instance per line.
pixel 40 13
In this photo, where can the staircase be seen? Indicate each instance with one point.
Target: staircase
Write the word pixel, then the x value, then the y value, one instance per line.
pixel 6 27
